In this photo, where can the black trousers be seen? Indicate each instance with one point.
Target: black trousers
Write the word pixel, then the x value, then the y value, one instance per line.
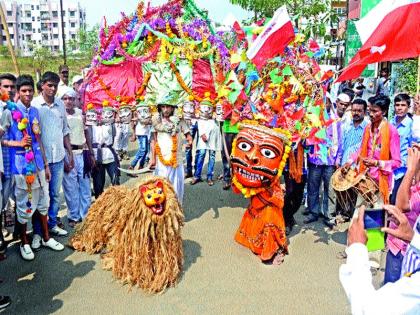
pixel 98 176
pixel 229 137
pixel 293 197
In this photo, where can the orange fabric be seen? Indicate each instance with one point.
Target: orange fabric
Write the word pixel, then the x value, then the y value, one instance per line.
pixel 385 154
pixel 262 228
pixel 296 164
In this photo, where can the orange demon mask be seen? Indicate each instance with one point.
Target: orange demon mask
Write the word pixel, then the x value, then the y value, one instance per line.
pixel 259 155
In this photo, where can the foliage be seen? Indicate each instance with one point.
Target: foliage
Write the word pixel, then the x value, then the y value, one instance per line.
pixel 310 15
pixel 41 57
pixel 407 76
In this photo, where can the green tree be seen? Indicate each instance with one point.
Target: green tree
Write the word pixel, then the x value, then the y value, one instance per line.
pixel 310 16
pixel 41 58
pixel 406 77
pixel 88 40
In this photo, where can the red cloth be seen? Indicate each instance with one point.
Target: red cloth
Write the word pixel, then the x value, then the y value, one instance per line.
pixel 202 79
pixel 123 79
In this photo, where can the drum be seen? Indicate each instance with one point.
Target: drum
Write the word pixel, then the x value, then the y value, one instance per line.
pixel 349 184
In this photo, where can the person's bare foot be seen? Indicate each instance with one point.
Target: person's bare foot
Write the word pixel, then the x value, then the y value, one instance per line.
pixel 278 259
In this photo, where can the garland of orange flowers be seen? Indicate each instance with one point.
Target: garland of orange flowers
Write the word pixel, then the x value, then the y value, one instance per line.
pixel 173 160
pixel 184 85
pixel 125 99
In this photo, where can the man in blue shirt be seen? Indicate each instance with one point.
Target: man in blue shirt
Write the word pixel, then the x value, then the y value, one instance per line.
pixel 31 196
pixel 56 140
pixel 403 122
pixel 352 132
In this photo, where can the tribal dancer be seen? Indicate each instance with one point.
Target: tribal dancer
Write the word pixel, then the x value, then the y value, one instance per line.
pixel 168 132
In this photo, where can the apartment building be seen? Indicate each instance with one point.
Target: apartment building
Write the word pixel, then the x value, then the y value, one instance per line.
pixel 33 23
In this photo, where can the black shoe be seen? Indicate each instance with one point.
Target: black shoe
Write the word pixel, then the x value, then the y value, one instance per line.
pixel 329 223
pixel 311 218
pixel 188 175
pixel 226 186
pixel 4 301
pixel 306 212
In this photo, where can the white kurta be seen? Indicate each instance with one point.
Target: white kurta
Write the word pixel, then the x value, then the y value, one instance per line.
pixel 211 129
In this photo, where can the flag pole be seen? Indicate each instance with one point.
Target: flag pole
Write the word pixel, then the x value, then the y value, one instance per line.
pixel 9 42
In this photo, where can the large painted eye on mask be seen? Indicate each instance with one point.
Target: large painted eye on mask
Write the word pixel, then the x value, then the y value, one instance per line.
pixel 244 146
pixel 270 154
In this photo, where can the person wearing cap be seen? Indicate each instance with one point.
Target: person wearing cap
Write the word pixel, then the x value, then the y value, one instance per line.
pixel 76 184
pixel 76 83
pixel 168 133
pixel 63 73
pixel 208 140
pixel 141 128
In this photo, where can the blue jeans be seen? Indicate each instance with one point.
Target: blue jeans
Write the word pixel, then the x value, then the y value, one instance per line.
pixel 393 267
pixel 76 189
pixel 141 153
pixel 188 151
pixel 397 184
pixel 318 174
pixel 199 162
pixel 57 173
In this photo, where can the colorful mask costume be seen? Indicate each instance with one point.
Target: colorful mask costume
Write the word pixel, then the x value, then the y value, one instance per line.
pixel 140 230
pixel 258 157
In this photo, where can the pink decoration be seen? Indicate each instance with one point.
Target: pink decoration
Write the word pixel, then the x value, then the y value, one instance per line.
pixel 29 156
pixel 17 115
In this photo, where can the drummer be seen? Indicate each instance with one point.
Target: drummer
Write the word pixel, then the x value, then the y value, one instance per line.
pixel 379 153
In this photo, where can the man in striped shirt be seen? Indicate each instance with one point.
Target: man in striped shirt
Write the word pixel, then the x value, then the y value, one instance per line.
pixel 353 131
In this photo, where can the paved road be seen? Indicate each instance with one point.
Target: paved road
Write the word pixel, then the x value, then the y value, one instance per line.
pixel 220 277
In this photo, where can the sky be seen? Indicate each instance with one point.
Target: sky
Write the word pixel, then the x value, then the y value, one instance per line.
pixel 96 9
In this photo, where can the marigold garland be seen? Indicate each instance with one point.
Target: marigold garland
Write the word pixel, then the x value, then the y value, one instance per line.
pixel 173 162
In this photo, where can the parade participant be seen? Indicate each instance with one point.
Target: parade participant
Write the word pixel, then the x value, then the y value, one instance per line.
pixel 7 87
pixel 353 132
pixel 352 138
pixel 76 184
pixel 408 201
pixel 258 157
pixel 29 165
pixel 208 140
pixel 122 128
pixel 102 140
pixel 3 245
pixel 139 231
pixel 168 137
pixel 403 123
pixel 295 175
pixel 320 170
pixel 342 104
pixel 188 111
pixel 229 133
pixel 141 126
pixel 379 153
pixel 56 141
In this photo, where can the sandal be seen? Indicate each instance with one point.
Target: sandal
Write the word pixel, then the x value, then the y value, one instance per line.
pixel 210 182
pixel 195 181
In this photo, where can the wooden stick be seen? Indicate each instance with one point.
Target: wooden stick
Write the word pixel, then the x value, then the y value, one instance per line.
pixel 9 42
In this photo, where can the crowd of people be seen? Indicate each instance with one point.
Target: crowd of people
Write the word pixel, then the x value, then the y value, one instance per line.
pixel 48 143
